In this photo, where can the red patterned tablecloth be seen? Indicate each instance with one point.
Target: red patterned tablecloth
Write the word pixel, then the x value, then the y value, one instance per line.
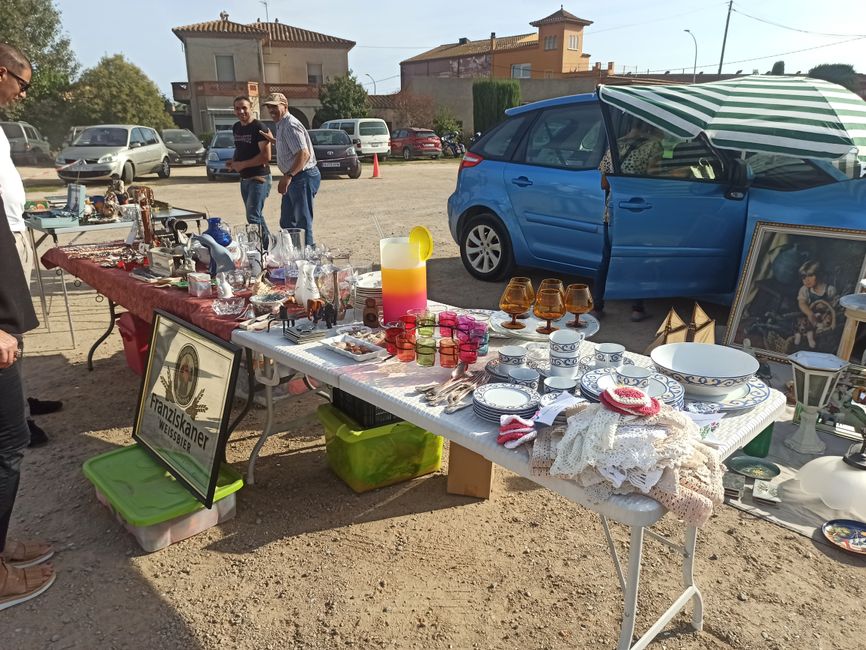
pixel 141 298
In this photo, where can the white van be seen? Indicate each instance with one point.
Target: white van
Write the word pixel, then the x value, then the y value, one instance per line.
pixel 369 134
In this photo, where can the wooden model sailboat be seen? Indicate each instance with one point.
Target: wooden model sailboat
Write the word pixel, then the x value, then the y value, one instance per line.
pixel 701 329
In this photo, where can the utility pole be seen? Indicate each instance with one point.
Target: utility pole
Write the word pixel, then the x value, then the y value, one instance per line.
pixel 374 82
pixel 265 3
pixel 725 37
pixel 695 67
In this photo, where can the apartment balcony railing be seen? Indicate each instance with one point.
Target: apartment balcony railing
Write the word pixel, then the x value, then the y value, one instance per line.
pixel 225 88
pixel 180 91
pixel 294 91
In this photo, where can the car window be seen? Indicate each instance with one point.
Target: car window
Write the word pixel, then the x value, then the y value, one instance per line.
pixel 348 127
pixel 569 137
pixel 31 132
pixel 372 128
pixel 789 173
pixel 424 134
pixel 13 130
pixel 151 136
pixel 499 143
pixel 137 137
pixel 102 137
pixel 329 138
pixel 179 136
pixel 223 140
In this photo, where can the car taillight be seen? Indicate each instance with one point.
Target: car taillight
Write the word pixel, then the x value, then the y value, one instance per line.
pixel 470 160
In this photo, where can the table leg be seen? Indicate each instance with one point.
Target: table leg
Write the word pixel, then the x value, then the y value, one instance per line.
pixel 36 268
pixel 68 312
pixel 689 578
pixel 269 381
pixel 112 316
pixel 469 474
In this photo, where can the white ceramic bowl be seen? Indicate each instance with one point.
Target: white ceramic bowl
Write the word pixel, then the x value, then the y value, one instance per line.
pixel 703 369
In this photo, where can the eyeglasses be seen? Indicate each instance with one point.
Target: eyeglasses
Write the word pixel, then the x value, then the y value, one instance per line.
pixel 23 86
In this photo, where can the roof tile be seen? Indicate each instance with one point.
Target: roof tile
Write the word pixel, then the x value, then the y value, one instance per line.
pixel 471 48
pixel 275 32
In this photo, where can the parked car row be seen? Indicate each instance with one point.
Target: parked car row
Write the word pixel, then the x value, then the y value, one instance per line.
pixel 28 146
pixel 109 151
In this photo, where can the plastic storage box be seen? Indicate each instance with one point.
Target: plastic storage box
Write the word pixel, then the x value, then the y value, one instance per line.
pixel 135 333
pixel 373 458
pixel 150 503
pixel 366 414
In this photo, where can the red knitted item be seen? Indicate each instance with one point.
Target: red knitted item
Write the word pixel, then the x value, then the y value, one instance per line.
pixel 629 401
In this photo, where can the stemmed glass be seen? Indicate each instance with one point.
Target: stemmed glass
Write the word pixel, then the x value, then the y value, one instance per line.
pixel 548 306
pixel 515 300
pixel 552 283
pixel 578 300
pixel 528 284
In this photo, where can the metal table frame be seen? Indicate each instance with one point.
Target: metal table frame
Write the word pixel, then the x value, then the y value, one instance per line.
pixel 472 456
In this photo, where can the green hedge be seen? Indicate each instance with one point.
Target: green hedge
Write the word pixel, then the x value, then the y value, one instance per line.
pixel 490 98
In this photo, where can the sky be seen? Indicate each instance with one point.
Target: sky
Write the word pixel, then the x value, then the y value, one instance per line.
pixel 637 35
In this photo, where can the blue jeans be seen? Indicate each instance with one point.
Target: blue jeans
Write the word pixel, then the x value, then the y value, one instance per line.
pixel 253 194
pixel 297 208
pixel 14 436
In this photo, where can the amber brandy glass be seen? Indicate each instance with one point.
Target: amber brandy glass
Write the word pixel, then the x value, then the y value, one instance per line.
pixel 528 284
pixel 515 300
pixel 549 306
pixel 552 283
pixel 578 300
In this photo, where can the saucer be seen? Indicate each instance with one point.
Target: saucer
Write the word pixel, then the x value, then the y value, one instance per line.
pixel 753 393
pixel 663 388
pixel 753 467
pixel 588 362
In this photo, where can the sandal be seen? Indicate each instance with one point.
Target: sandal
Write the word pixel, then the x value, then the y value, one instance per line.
pixel 26 554
pixel 20 585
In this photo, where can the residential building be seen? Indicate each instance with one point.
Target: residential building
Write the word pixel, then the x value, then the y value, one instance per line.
pixel 225 59
pixel 555 49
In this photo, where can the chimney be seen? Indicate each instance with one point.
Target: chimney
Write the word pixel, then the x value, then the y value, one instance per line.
pixel 492 41
pixel 276 20
pixel 610 67
pixel 463 41
pixel 224 15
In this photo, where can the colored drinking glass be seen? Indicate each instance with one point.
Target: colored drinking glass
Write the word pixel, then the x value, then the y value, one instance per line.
pixel 409 323
pixel 425 321
pixel 447 323
pixel 425 351
pixel 448 352
pixel 464 326
pixel 392 331
pixel 529 290
pixel 469 351
pixel 405 346
pixel 481 333
pixel 578 300
pixel 515 300
pixel 552 283
pixel 548 306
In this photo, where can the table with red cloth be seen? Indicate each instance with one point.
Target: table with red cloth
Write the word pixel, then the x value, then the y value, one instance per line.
pixel 141 298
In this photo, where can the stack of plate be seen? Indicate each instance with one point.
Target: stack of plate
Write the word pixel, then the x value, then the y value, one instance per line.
pixel 662 387
pixel 305 331
pixel 494 400
pixel 368 285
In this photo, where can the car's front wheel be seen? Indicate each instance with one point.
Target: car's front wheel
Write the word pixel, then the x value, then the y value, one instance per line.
pixel 356 173
pixel 485 247
pixel 210 175
pixel 407 155
pixel 128 174
pixel 164 170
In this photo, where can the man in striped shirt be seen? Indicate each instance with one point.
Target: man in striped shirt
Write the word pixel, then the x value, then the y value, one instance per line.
pixel 297 161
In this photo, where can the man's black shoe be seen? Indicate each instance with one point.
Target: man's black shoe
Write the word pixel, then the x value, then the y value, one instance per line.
pixel 43 406
pixel 38 437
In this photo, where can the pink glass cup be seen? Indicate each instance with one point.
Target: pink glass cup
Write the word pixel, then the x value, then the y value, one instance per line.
pixel 405 347
pixel 469 351
pixel 392 331
pixel 447 323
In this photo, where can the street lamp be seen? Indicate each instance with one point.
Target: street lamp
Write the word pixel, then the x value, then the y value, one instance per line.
pixel 374 82
pixel 695 68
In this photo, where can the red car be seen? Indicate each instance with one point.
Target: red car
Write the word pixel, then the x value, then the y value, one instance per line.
pixel 415 143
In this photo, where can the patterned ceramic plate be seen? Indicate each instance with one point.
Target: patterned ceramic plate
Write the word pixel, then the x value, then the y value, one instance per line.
pixel 370 281
pixel 661 387
pixel 753 393
pixel 847 534
pixel 499 369
pixel 753 467
pixel 529 333
pixel 507 398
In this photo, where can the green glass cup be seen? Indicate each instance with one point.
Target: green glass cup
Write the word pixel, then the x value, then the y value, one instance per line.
pixel 425 351
pixel 425 321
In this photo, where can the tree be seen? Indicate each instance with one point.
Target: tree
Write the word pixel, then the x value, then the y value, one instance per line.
pixel 117 91
pixel 837 73
pixel 34 26
pixel 490 98
pixel 778 68
pixel 445 121
pixel 342 97
pixel 413 109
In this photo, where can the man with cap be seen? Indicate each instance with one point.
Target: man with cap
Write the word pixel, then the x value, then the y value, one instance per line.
pixel 297 161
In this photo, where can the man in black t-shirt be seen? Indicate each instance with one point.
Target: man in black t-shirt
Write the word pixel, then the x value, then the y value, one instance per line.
pixel 252 159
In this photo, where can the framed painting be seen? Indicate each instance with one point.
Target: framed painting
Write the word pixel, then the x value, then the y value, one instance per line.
pixel 185 402
pixel 788 295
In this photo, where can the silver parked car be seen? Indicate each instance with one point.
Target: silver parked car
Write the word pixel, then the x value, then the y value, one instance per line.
pixel 28 146
pixel 109 151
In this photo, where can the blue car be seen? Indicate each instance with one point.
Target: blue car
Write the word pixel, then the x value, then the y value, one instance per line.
pixel 220 150
pixel 529 194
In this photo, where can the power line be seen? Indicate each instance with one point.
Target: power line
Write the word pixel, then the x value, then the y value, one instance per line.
pixel 656 20
pixel 794 29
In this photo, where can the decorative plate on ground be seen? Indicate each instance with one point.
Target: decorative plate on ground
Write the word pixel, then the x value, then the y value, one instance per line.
pixel 753 393
pixel 753 467
pixel 847 534
pixel 660 386
pixel 528 333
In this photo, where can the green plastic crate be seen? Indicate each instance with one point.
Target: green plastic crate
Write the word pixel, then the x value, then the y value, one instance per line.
pixel 150 503
pixel 367 459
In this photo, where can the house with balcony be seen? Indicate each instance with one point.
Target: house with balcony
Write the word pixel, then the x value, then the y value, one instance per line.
pixel 225 59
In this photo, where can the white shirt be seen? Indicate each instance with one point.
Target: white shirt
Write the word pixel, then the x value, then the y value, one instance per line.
pixel 291 138
pixel 11 187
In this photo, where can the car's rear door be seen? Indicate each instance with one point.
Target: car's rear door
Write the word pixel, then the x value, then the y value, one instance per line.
pixel 137 151
pixel 672 230
pixel 554 187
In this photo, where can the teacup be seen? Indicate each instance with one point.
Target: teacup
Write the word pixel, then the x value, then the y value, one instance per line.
pixel 557 385
pixel 512 355
pixel 634 376
pixel 524 377
pixel 563 366
pixel 609 355
pixel 565 342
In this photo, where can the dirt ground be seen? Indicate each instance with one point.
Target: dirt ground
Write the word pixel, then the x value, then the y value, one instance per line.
pixel 309 564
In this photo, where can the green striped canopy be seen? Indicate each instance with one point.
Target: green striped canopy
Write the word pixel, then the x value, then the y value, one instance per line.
pixel 796 116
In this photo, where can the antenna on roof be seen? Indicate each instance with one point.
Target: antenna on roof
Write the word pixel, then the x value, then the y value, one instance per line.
pixel 267 16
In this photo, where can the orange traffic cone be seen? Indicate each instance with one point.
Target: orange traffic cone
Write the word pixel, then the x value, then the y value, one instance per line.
pixel 375 166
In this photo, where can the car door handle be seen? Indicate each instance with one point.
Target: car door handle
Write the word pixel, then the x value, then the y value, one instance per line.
pixel 521 181
pixel 635 205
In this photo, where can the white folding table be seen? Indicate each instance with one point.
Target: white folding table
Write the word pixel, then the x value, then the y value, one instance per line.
pixel 473 451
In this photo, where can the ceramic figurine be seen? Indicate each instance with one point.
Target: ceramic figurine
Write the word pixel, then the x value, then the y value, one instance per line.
pixel 371 313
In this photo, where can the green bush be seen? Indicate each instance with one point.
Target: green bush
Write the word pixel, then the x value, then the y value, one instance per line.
pixel 490 98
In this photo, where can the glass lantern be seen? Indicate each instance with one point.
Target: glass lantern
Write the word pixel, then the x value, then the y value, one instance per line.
pixel 815 377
